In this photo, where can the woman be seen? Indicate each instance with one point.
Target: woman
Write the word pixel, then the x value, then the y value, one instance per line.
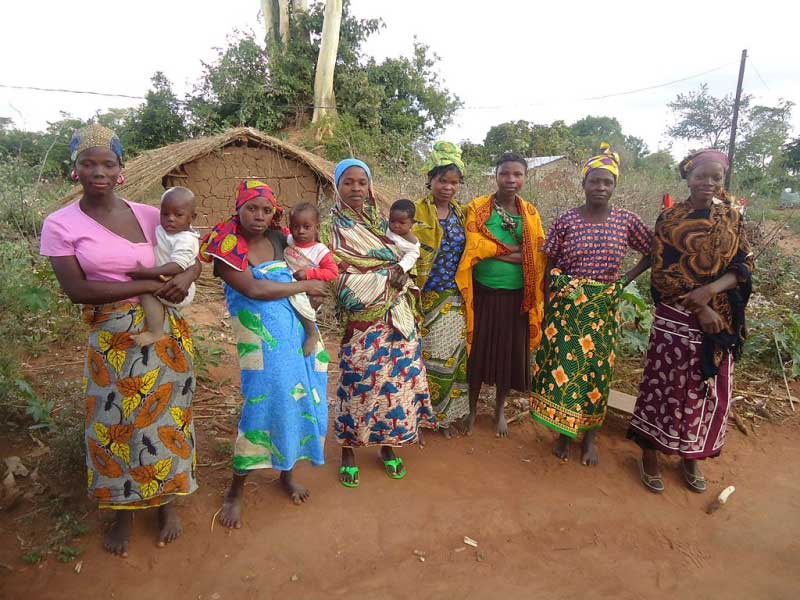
pixel 284 411
pixel 574 364
pixel 500 277
pixel 440 230
pixel 382 398
pixel 139 431
pixel 701 281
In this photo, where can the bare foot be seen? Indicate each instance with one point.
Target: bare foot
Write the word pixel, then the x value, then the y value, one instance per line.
pixel 231 515
pixel 169 525
pixel 420 438
pixel 589 455
pixel 561 449
pixel 147 337
pixel 446 433
pixel 297 492
pixel 469 423
pixel 116 540
pixel 310 345
pixel 500 426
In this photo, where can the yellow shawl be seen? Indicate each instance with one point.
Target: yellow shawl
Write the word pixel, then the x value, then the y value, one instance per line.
pixel 429 232
pixel 482 244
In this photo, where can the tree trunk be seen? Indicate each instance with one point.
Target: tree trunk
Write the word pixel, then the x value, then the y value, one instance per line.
pixel 283 21
pixel 268 12
pixel 324 100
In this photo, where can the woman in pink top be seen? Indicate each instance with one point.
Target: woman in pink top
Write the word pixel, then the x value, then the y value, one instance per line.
pixel 139 432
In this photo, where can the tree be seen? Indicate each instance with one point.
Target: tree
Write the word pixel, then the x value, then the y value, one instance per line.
pixel 324 97
pixel 761 159
pixel 232 91
pixel 512 136
pixel 705 118
pixel 158 122
pixel 792 156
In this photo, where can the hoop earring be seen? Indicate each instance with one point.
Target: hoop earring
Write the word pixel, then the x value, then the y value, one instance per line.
pixel 121 179
pixel 73 175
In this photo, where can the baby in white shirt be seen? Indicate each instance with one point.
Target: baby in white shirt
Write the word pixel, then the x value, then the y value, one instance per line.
pixel 176 249
pixel 401 220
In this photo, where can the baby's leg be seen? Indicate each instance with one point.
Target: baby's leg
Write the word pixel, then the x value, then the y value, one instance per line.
pixel 311 336
pixel 153 319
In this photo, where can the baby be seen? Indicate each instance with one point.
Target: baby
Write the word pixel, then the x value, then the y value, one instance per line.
pixel 307 258
pixel 176 249
pixel 401 220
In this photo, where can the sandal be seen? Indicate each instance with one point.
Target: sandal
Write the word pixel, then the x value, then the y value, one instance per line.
pixel 654 483
pixel 392 467
pixel 696 482
pixel 352 472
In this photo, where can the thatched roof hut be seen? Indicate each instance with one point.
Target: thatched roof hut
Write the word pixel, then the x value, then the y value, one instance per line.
pixel 212 166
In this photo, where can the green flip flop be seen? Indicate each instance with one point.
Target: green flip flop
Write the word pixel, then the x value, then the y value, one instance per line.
pixel 392 467
pixel 353 473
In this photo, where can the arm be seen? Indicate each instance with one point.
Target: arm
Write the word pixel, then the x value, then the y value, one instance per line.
pixel 175 289
pixel 514 257
pixel 82 291
pixel 168 270
pixel 551 264
pixel 261 289
pixel 327 270
pixel 639 268
pixel 699 298
pixel 409 258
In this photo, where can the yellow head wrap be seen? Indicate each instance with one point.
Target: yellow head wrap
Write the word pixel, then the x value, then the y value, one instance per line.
pixel 607 159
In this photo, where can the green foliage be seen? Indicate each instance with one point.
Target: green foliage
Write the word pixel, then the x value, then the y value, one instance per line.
pixel 577 141
pixel 705 118
pixel 761 159
pixel 159 121
pixel 636 317
pixel 233 89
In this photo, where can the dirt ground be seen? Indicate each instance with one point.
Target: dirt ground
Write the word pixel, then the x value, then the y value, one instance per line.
pixel 544 528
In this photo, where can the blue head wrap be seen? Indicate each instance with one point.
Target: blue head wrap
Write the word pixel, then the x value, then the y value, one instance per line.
pixel 346 164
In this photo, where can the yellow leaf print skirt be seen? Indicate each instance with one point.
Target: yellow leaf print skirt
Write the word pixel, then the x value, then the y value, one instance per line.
pixel 139 431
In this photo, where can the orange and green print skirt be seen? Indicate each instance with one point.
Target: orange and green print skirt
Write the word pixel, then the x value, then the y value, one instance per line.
pixel 139 431
pixel 574 363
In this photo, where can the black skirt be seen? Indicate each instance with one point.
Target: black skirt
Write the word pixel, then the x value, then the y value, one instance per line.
pixel 499 354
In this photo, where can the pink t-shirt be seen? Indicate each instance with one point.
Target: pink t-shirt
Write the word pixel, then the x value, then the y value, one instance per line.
pixel 102 254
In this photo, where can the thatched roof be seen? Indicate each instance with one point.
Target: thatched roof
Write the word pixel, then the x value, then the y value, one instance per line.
pixel 149 168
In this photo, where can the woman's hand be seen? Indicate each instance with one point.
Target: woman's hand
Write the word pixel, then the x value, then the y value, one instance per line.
pixel 710 320
pixel 698 298
pixel 176 289
pixel 397 277
pixel 140 272
pixel 315 301
pixel 314 287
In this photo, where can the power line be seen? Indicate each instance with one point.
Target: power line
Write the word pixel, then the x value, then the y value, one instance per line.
pixel 660 85
pixel 44 89
pixel 496 107
pixel 752 64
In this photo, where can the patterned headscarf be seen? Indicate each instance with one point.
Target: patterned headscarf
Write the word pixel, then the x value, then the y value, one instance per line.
pixel 443 154
pixel 702 157
pixel 225 242
pixel 94 136
pixel 607 159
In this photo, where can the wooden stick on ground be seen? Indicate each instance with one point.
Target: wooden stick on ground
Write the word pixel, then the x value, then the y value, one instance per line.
pixel 783 371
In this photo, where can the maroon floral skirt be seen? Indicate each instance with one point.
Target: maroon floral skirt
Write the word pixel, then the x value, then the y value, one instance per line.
pixel 677 410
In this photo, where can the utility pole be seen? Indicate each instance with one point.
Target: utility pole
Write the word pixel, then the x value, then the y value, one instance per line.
pixel 734 122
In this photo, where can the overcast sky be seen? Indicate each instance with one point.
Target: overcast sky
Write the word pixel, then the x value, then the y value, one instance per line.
pixel 538 61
